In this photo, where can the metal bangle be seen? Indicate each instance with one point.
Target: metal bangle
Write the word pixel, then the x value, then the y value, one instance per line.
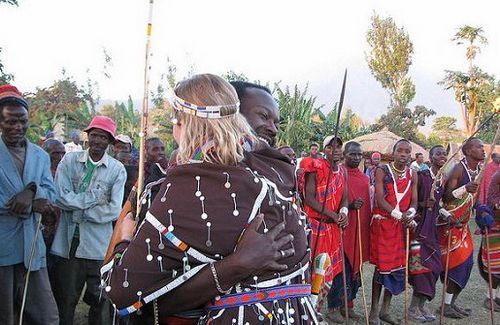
pixel 216 280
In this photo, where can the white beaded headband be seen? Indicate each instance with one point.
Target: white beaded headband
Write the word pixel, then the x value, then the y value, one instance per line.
pixel 209 112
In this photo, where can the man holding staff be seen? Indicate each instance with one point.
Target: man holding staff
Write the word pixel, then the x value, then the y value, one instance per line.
pixel 396 203
pixel 357 233
pixel 459 200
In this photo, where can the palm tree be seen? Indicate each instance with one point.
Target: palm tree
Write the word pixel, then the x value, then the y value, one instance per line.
pixel 296 109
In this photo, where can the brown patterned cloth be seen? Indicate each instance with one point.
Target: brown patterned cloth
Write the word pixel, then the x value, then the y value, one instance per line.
pixel 232 196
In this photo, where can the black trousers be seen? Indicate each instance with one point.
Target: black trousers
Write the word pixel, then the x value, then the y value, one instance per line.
pixel 70 276
pixel 40 308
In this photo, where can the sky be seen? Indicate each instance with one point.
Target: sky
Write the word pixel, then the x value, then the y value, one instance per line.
pixel 287 41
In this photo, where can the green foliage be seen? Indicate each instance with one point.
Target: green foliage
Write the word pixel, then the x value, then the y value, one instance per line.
pixel 487 134
pixel 405 122
pixel 303 122
pixel 160 115
pixel 475 90
pixel 233 76
pixel 390 58
pixel 5 78
pixel 126 117
pixel 296 109
pixel 444 131
pixel 9 2
pixel 63 103
pixel 469 34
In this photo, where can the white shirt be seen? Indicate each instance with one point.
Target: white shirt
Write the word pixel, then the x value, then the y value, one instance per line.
pixel 71 147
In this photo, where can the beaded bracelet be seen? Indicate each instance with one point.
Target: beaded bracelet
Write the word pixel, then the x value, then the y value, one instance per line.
pixel 216 280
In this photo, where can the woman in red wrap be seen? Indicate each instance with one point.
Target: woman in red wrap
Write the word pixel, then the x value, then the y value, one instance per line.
pixel 396 203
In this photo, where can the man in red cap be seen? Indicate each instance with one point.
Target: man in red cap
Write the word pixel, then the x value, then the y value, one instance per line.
pixel 26 190
pixel 90 187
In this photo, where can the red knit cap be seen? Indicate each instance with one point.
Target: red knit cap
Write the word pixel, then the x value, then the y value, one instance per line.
pixel 9 93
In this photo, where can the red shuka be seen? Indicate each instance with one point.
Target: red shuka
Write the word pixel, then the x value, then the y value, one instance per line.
pixel 329 237
pixel 387 250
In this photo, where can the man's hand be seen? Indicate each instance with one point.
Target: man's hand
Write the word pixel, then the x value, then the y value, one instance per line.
pixel 471 187
pixel 429 203
pixel 407 218
pixel 356 204
pixel 340 219
pixel 21 202
pixel 258 253
pixel 127 228
pixel 42 206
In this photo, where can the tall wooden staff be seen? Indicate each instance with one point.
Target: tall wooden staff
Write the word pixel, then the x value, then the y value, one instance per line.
pixel 407 253
pixel 361 266
pixel 322 219
pixel 143 130
pixel 478 180
pixel 26 281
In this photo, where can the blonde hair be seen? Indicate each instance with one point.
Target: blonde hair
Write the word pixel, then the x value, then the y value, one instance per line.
pixel 228 133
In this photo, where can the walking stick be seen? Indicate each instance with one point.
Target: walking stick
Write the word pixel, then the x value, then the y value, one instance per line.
pixel 344 276
pixel 490 288
pixel 406 272
pixel 323 206
pixel 30 261
pixel 143 129
pixel 447 264
pixel 361 266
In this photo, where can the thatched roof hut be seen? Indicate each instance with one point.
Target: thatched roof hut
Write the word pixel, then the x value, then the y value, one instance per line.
pixel 383 141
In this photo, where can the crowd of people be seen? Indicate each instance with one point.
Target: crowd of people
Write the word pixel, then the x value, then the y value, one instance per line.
pixel 230 229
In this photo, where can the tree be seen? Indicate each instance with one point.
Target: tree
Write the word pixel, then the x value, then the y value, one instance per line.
pixel 475 90
pixel 468 34
pixel 405 122
pixel 389 60
pixel 64 102
pixel 296 108
pixel 233 76
pixel 444 131
pixel 5 78
pixel 9 2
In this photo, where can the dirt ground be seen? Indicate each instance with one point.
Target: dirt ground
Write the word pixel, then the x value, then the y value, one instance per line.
pixel 472 297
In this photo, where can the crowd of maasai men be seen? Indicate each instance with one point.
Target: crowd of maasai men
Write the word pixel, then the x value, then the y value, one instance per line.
pixel 407 217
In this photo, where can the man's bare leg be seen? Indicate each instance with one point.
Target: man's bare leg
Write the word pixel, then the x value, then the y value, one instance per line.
pixel 376 291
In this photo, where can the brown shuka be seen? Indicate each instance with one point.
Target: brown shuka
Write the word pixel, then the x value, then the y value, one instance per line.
pixel 197 217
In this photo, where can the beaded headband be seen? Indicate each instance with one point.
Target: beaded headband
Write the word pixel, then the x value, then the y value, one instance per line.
pixel 209 112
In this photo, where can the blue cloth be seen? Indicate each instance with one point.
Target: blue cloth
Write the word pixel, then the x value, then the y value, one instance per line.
pixel 460 274
pixel 394 281
pixel 18 232
pixel 335 296
pixel 93 210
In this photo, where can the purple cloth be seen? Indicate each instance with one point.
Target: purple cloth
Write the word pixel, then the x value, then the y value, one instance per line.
pixel 460 274
pixel 428 237
pixel 425 284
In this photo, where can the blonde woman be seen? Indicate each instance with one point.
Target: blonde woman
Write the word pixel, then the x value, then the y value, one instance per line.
pixel 222 242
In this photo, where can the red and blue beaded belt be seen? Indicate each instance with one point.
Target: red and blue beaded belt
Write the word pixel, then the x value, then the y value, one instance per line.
pixel 259 296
